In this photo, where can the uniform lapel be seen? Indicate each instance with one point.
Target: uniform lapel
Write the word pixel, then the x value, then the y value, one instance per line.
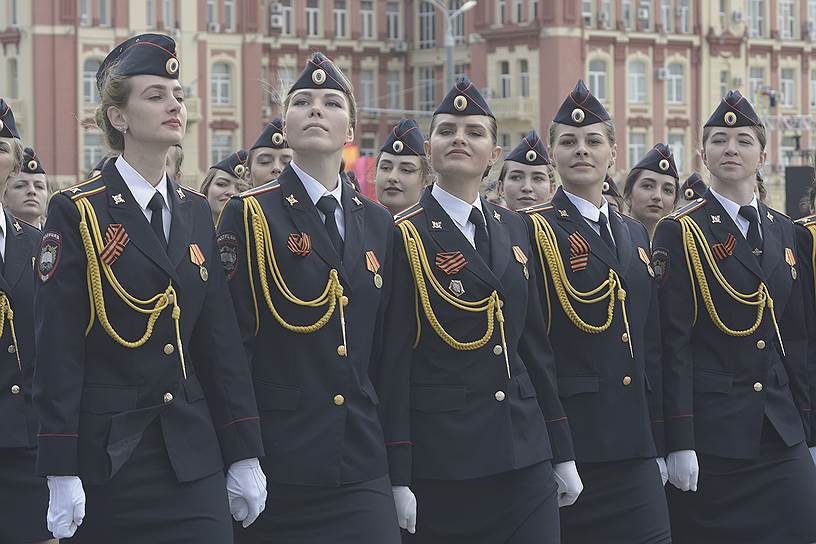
pixel 500 251
pixel 448 237
pixel 571 220
pixel 181 226
pixel 295 199
pixel 772 241
pixel 354 215
pixel 722 225
pixel 124 210
pixel 17 257
pixel 623 241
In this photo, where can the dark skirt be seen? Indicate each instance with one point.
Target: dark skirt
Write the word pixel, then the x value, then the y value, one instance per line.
pixel 622 502
pixel 517 507
pixel 300 514
pixel 767 500
pixel 144 502
pixel 24 497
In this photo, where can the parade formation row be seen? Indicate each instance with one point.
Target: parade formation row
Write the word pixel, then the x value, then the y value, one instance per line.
pixel 434 368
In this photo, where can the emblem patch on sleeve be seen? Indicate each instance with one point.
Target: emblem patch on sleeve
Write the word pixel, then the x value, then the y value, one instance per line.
pixel 228 250
pixel 660 263
pixel 50 252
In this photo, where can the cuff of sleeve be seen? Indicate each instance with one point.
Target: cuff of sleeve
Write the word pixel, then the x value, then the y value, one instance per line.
pixel 560 440
pixel 57 454
pixel 679 433
pixel 241 439
pixel 399 462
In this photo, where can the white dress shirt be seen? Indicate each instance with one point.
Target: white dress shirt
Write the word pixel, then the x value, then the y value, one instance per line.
pixel 317 191
pixel 3 233
pixel 732 209
pixel 143 191
pixel 459 211
pixel 591 213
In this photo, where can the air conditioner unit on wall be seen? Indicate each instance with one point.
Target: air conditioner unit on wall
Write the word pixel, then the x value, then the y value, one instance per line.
pixel 737 17
pixel 276 8
pixel 400 46
pixel 214 27
pixel 276 21
pixel 662 73
pixel 643 13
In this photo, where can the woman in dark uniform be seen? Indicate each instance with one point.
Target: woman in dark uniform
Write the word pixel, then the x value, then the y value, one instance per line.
pixel 693 188
pixel 735 359
pixel 224 180
pixel 650 191
pixel 601 300
pixel 526 177
pixel 486 425
pixel 307 258
pixel 141 385
pixel 22 517
pixel 403 170
pixel 269 154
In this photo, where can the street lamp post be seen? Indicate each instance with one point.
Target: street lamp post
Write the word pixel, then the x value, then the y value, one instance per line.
pixel 449 41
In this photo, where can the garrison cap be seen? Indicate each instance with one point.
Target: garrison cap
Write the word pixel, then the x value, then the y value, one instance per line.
pixel 31 163
pixel 610 187
pixel 694 186
pixel 734 111
pixel 530 151
pixel 464 99
pixel 8 127
pixel 581 108
pixel 151 54
pixel 233 164
pixel 271 136
pixel 659 159
pixel 320 73
pixel 405 139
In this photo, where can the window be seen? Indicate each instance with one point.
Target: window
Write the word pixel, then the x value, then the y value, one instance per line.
pixel 504 79
pixel 812 89
pixel 13 90
pixel 427 26
pixel 667 14
pixel 637 147
pixel 150 13
pixel 787 87
pixel 586 12
pixel 637 82
pixel 13 14
pixel 458 24
pixel 286 78
pixel 286 17
pixel 367 90
pixel 89 93
pixel 787 148
pixel 367 19
pixel 721 13
pixel 459 70
pixel 756 80
pixel 501 9
pixel 221 146
pixel 524 78
pixel 312 18
pixel 644 15
pixel 786 18
pixel 427 84
pixel 518 11
pixel 674 84
pixel 340 19
pixel 169 16
pixel 229 6
pixel 676 143
pixel 534 10
pixel 506 142
pixel 393 82
pixel 605 14
pixel 221 84
pixel 811 19
pixel 211 12
pixel 93 150
pixel 84 12
pixel 723 82
pixel 756 16
pixel 628 15
pixel 392 19
pixel 684 10
pixel 105 14
pixel 597 79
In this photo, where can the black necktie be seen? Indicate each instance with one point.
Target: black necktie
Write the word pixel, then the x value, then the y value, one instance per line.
pixel 327 204
pixel 156 221
pixel 482 242
pixel 754 239
pixel 606 236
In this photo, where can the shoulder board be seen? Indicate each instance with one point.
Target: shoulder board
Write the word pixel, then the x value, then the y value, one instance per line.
pixel 24 222
pixel 83 187
pixel 537 208
pixel 193 191
pixel 627 217
pixel 268 186
pixel 687 209
pixel 407 214
pixel 777 212
pixel 807 221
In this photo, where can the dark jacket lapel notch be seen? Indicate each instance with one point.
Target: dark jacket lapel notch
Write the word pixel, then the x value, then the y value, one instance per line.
pixel 181 225
pixel 623 242
pixel 722 225
pixel 772 241
pixel 500 250
pixel 354 215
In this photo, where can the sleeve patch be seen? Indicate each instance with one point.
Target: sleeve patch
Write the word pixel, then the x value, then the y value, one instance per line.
pixel 50 252
pixel 660 263
pixel 228 250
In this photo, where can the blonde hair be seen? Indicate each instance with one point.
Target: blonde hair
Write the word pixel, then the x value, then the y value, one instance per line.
pixel 344 82
pixel 17 150
pixel 242 184
pixel 115 92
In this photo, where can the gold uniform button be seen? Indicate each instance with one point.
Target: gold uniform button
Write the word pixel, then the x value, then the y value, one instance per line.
pixel 757 387
pixel 341 350
pixel 168 397
pixel 501 304
pixel 344 300
pixel 500 396
pixel 625 338
pixel 339 400
pixel 497 350
pixel 15 389
pixel 760 344
pixel 627 380
pixel 12 349
pixel 169 349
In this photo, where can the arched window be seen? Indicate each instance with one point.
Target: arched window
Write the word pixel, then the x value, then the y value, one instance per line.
pixel 221 83
pixel 89 93
pixel 598 79
pixel 637 82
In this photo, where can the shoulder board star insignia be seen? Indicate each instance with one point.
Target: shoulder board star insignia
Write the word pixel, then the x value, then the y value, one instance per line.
pixel 74 190
pixel 17 226
pixel 436 224
pixel 180 193
pixel 497 216
pixel 770 217
pixel 291 200
pixel 716 219
pixel 563 213
pixel 357 201
pixel 117 199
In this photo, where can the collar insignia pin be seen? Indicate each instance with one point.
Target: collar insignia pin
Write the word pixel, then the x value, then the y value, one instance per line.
pixel 118 199
pixel 715 219
pixel 291 200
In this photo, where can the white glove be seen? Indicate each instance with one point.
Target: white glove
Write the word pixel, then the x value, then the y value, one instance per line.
pixel 664 472
pixel 66 505
pixel 813 454
pixel 246 490
pixel 569 483
pixel 683 469
pixel 406 504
